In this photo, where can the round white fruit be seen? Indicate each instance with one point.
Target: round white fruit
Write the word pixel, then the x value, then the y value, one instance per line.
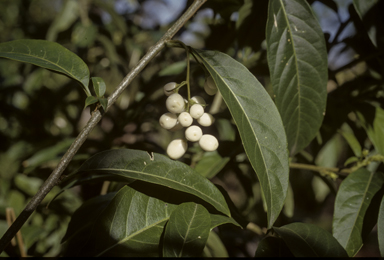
pixel 196 111
pixel 193 133
pixel 185 119
pixel 169 87
pixel 177 148
pixel 168 120
pixel 206 119
pixel 175 103
pixel 208 143
pixel 198 100
pixel 210 86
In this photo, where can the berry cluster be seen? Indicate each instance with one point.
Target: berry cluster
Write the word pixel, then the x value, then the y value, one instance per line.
pixel 181 114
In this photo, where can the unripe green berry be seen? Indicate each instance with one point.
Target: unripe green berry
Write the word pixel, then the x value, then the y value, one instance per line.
pixel 177 148
pixel 193 133
pixel 185 119
pixel 196 111
pixel 210 86
pixel 175 103
pixel 169 87
pixel 208 143
pixel 206 119
pixel 168 120
pixel 198 100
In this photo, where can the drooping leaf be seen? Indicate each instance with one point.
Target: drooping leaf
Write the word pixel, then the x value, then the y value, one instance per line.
pixel 99 86
pixel 157 169
pixel 211 164
pixel 48 55
pixel 218 220
pixel 352 201
pixel 375 128
pixel 308 240
pixel 297 61
pixel 370 16
pixel 259 124
pixel 187 231
pixel 130 225
pixel 380 228
pixel 273 247
pixel 349 136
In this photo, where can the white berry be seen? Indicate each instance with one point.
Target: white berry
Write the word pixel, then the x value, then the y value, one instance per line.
pixel 208 143
pixel 177 148
pixel 175 103
pixel 198 100
pixel 206 119
pixel 196 111
pixel 168 120
pixel 210 86
pixel 169 87
pixel 193 133
pixel 185 119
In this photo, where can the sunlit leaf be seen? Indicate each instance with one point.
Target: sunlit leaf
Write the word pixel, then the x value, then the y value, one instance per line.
pixel 157 169
pixel 187 231
pixel 308 240
pixel 49 55
pixel 259 124
pixel 352 201
pixel 297 60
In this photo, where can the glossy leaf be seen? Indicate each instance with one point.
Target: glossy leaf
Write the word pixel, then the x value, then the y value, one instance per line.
pixel 187 231
pixel 297 60
pixel 218 220
pixel 273 247
pixel 352 201
pixel 259 124
pixel 380 228
pixel 99 86
pixel 211 164
pixel 48 55
pixel 375 128
pixel 157 169
pixel 130 225
pixel 308 240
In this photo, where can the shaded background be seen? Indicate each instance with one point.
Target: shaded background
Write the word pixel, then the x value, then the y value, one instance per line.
pixel 42 112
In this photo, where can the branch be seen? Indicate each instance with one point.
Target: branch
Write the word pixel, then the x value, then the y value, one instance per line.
pixel 54 178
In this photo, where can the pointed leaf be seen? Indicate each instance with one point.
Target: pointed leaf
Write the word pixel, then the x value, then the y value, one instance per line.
pixel 380 228
pixel 214 246
pixel 352 201
pixel 104 103
pixel 157 169
pixel 90 100
pixel 259 124
pixel 187 231
pixel 218 220
pixel 375 128
pixel 99 86
pixel 48 55
pixel 352 141
pixel 308 240
pixel 369 14
pixel 297 60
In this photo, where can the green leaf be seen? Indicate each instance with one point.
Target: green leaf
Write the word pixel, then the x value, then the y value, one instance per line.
pixel 99 86
pixel 259 124
pixel 48 55
pixel 90 100
pixel 351 139
pixel 187 231
pixel 157 169
pixel 104 103
pixel 214 247
pixel 130 225
pixel 272 247
pixel 211 164
pixel 297 60
pixel 67 16
pixel 173 69
pixel 380 228
pixel 366 10
pixel 352 201
pixel 308 240
pixel 218 220
pixel 375 128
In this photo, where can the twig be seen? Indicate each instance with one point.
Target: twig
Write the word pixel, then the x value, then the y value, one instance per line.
pixel 53 179
pixel 320 169
pixel 10 215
